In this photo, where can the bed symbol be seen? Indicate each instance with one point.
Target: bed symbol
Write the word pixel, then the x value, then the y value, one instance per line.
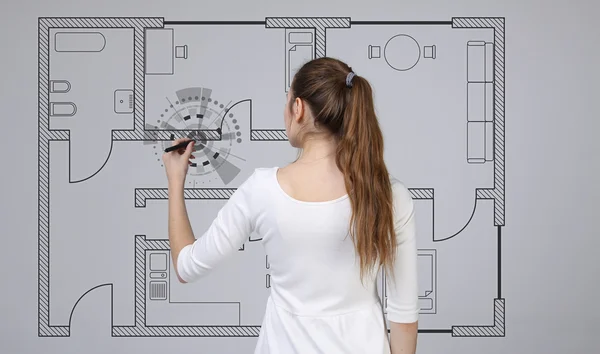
pixel 300 48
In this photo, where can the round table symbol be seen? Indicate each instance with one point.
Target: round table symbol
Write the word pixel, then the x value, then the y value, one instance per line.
pixel 402 52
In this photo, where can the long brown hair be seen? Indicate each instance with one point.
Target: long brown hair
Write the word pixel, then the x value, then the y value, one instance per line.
pixel 347 112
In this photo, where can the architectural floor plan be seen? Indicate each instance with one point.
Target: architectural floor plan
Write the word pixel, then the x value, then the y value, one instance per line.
pixel 113 92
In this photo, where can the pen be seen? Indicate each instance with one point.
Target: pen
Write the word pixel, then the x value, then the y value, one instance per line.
pixel 179 146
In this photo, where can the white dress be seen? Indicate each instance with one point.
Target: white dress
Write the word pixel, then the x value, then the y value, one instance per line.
pixel 317 302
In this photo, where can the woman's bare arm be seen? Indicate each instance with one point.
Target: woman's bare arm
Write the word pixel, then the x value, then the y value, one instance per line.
pixel 403 337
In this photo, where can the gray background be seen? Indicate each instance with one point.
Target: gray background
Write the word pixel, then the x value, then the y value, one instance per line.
pixel 550 275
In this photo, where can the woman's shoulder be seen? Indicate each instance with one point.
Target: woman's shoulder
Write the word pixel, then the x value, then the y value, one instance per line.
pixel 399 188
pixel 258 177
pixel 262 174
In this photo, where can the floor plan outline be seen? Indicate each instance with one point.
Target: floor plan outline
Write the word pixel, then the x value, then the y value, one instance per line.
pixel 84 101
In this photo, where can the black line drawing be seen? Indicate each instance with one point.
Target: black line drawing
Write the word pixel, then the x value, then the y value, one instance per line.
pixel 123 101
pixel 59 86
pixel 204 114
pixel 428 287
pixel 374 52
pixel 181 51
pixel 159 51
pixel 79 42
pixel 429 51
pixel 300 48
pixel 402 52
pixel 480 96
pixel 62 109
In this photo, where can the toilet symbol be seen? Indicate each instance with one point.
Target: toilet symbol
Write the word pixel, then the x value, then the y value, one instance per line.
pixel 59 86
pixel 62 109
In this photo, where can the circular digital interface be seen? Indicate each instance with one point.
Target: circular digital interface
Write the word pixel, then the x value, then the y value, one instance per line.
pixel 211 124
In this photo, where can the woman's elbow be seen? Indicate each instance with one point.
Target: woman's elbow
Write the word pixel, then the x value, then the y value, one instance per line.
pixel 176 267
pixel 179 278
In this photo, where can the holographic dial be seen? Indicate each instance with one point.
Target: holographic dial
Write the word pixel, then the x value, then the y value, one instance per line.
pixel 196 115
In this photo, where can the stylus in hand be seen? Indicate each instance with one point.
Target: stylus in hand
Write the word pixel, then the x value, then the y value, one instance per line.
pixel 179 146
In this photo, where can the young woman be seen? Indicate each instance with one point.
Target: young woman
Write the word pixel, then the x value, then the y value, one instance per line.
pixel 329 222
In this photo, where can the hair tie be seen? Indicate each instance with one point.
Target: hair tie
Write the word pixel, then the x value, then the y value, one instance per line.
pixel 349 78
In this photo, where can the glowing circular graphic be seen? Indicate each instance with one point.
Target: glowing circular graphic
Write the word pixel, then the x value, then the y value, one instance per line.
pixel 195 115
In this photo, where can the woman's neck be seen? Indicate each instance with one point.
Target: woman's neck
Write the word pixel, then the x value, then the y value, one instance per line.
pixel 314 150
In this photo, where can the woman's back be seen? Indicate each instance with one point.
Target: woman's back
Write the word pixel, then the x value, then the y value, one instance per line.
pixel 316 181
pixel 318 301
pixel 329 222
pixel 313 262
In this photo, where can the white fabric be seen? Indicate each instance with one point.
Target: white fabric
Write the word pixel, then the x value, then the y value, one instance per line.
pixel 317 302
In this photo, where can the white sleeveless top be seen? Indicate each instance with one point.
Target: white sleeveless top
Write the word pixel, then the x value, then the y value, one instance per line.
pixel 317 302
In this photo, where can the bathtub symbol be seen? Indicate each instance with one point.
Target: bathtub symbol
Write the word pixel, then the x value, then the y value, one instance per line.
pixel 62 109
pixel 79 42
pixel 59 86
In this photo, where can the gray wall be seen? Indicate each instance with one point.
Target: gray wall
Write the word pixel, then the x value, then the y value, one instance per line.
pixel 506 226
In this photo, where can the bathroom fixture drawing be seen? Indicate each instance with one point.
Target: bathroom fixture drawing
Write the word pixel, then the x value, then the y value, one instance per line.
pixel 62 109
pixel 59 86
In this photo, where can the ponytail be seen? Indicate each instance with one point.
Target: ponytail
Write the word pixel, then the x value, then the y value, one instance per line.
pixel 360 158
pixel 342 103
